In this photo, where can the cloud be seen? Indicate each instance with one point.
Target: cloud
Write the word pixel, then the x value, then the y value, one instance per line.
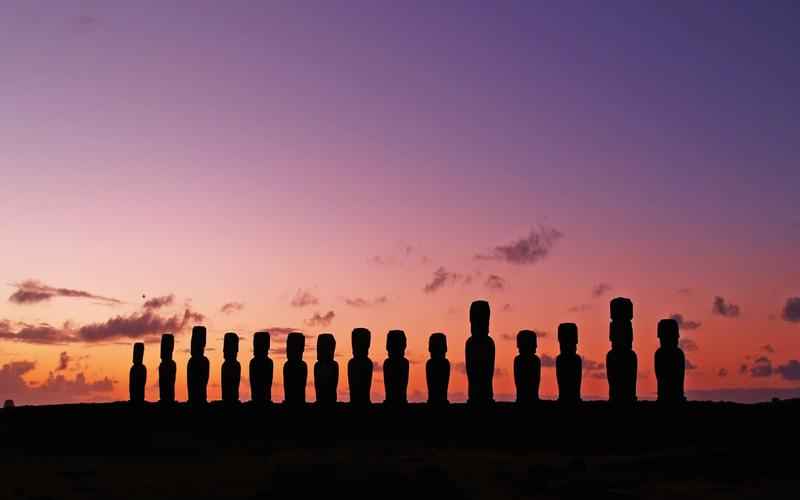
pixel 159 302
pixel 56 388
pixel 600 289
pixel 590 366
pixel 723 372
pixel 529 250
pixel 279 333
pixel 63 361
pixel 441 277
pixel 547 361
pixel 507 308
pixel 139 325
pixel 303 298
pixel 688 345
pixel 34 292
pixel 512 337
pixel 725 309
pixel 768 348
pixel 762 367
pixel 685 324
pixel 495 282
pixel 743 395
pixel 360 302
pixel 231 307
pixel 690 365
pixel 789 371
pixel 579 308
pixel 321 319
pixel 791 310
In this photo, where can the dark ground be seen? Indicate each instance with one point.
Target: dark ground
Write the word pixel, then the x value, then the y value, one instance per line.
pixel 700 450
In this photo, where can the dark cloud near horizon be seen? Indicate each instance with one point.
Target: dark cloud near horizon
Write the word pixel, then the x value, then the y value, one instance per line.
pixel 547 361
pixel 688 345
pixel 768 348
pixel 318 319
pixel 761 367
pixel 159 302
pixel 54 388
pixel 495 282
pixel 63 361
pixel 529 250
pixel 34 291
pixel 725 309
pixel 512 337
pixel 590 366
pixel 723 372
pixel 231 307
pixel 789 371
pixel 600 289
pixel 361 302
pixel 685 324
pixel 791 310
pixel 303 298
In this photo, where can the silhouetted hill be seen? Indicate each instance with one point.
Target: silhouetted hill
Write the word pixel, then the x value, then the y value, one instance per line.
pixel 709 450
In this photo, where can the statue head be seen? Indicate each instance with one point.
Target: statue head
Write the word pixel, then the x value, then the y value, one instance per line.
pixel 295 345
pixel 167 346
pixel 138 353
pixel 621 309
pixel 568 338
pixel 526 342
pixel 668 333
pixel 260 345
pixel 326 347
pixel 360 340
pixel 396 343
pixel 230 346
pixel 198 340
pixel 479 313
pixel 437 345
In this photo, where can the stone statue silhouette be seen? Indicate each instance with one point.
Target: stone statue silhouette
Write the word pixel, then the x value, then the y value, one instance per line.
pixel 359 369
pixel 231 369
pixel 167 370
pixel 621 361
pixel 261 370
pixel 395 369
pixel 569 366
pixel 437 369
pixel 295 371
pixel 670 363
pixel 480 352
pixel 527 368
pixel 197 368
pixel 137 379
pixel 326 370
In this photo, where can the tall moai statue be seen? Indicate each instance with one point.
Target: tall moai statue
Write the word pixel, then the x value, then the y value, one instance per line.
pixel 295 371
pixel 261 369
pixel 359 369
pixel 569 366
pixel 437 369
pixel 197 368
pixel 137 379
pixel 670 363
pixel 480 355
pixel 167 370
pixel 231 374
pixel 527 368
pixel 395 369
pixel 326 370
pixel 621 361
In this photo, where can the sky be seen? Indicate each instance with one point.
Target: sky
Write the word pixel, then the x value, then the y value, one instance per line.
pixel 321 166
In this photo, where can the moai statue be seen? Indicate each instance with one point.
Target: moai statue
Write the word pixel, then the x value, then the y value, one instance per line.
pixel 437 369
pixel 167 370
pixel 395 369
pixel 261 369
pixel 295 371
pixel 527 368
pixel 621 361
pixel 231 369
pixel 197 369
pixel 326 370
pixel 670 363
pixel 480 355
pixel 569 366
pixel 138 375
pixel 359 369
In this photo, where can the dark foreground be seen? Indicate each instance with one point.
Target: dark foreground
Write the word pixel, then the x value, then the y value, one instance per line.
pixel 595 451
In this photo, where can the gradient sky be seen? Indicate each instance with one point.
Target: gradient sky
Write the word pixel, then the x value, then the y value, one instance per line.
pixel 258 152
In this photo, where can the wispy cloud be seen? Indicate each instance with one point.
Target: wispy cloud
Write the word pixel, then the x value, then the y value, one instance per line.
pixel 495 282
pixel 723 308
pixel 159 302
pixel 321 319
pixel 303 298
pixel 528 250
pixel 231 307
pixel 685 324
pixel 34 292
pixel 600 289
pixel 441 278
pixel 361 302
